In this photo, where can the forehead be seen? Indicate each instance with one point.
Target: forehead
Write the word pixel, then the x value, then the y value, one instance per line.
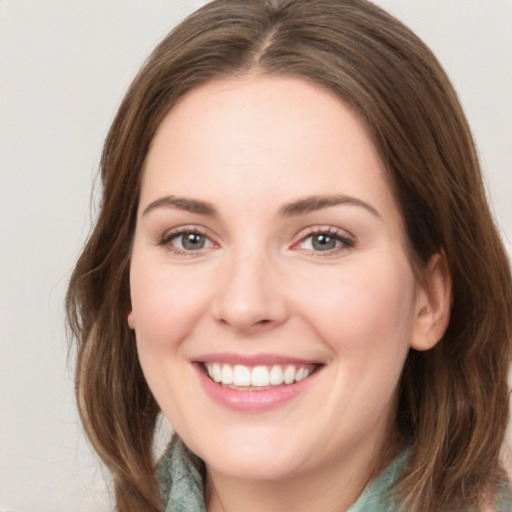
pixel 261 134
pixel 258 103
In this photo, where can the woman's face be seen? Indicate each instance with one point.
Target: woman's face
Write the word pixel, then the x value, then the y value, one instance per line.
pixel 272 298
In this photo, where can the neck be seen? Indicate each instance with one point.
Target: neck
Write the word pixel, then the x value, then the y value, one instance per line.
pixel 332 488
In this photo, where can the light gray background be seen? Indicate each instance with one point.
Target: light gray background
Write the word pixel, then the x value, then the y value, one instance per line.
pixel 64 67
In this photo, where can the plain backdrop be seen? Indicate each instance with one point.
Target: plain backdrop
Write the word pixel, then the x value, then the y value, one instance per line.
pixel 64 67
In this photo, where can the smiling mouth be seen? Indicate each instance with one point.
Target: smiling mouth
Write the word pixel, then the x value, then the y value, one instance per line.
pixel 257 378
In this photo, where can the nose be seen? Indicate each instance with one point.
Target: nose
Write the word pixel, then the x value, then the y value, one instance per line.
pixel 250 295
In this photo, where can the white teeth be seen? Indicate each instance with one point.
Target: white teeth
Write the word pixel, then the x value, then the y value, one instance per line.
pixel 258 376
pixel 289 375
pixel 216 372
pixel 241 375
pixel 301 374
pixel 276 375
pixel 227 374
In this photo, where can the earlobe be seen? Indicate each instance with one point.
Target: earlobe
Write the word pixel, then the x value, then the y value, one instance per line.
pixel 131 320
pixel 433 303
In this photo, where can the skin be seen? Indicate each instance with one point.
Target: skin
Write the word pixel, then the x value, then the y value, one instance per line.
pixel 260 285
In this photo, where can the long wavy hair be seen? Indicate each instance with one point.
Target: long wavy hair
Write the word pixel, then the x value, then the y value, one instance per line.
pixel 453 399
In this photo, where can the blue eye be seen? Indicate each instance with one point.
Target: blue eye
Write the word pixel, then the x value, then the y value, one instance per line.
pixel 192 241
pixel 187 241
pixel 325 242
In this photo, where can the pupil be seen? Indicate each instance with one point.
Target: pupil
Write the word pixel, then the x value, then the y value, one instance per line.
pixel 193 241
pixel 324 242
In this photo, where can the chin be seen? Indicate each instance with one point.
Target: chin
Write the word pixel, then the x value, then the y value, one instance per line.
pixel 265 468
pixel 256 454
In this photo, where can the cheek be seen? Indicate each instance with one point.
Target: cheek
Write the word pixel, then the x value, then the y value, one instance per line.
pixel 166 305
pixel 368 308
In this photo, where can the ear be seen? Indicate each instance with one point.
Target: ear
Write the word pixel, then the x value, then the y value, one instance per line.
pixel 131 320
pixel 433 304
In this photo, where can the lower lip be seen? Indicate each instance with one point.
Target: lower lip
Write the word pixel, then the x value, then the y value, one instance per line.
pixel 241 400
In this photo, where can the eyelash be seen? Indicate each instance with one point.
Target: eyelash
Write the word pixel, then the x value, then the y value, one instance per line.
pixel 167 239
pixel 345 242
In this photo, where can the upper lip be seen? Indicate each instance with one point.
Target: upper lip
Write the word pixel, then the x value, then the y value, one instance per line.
pixel 252 359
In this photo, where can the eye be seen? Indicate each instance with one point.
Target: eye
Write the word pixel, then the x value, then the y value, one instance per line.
pixel 186 241
pixel 190 241
pixel 327 241
pixel 320 242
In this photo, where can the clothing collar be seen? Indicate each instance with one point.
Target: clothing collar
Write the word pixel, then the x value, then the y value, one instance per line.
pixel 181 477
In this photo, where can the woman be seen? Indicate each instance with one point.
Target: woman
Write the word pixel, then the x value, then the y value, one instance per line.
pixel 295 262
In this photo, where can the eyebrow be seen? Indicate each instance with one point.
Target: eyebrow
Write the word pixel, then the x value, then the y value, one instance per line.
pixel 182 203
pixel 295 208
pixel 314 203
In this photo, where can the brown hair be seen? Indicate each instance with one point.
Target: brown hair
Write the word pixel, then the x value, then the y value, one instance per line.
pixel 453 399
